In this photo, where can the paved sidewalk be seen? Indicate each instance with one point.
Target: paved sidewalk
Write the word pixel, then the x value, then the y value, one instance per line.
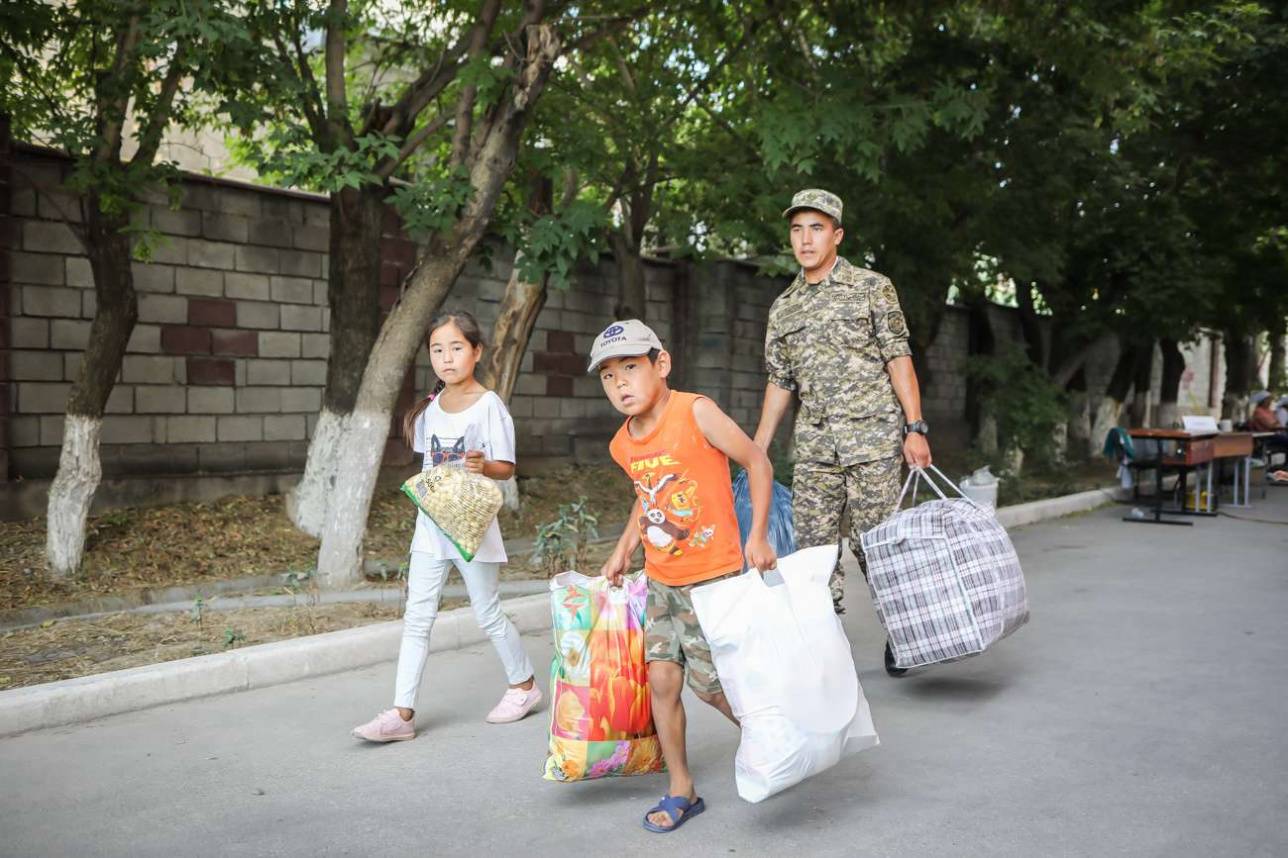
pixel 1141 712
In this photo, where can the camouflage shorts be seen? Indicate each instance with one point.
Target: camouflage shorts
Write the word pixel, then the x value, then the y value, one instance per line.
pixel 672 633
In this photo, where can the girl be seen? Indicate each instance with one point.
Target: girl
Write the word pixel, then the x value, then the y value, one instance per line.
pixel 464 422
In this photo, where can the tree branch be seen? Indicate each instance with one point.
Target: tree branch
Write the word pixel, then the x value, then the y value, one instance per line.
pixel 111 112
pixel 388 166
pixel 307 104
pixel 337 104
pixel 150 139
pixel 469 93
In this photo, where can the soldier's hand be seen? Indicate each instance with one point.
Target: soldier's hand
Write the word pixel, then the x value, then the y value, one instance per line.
pixel 916 450
pixel 760 554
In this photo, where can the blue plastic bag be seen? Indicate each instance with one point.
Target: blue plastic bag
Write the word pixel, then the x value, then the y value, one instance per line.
pixel 782 535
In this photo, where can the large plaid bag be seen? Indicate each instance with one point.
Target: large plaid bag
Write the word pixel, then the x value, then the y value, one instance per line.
pixel 944 577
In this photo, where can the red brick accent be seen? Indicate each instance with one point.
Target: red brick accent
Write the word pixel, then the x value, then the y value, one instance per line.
pixel 241 343
pixel 558 385
pixel 211 371
pixel 212 312
pixel 558 364
pixel 399 251
pixel 561 341
pixel 391 273
pixel 185 340
pixel 388 296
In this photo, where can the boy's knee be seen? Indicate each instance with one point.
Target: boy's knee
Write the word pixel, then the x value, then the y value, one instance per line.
pixel 665 680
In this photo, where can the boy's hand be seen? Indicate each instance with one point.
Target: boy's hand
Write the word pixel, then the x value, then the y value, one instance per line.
pixel 615 567
pixel 760 555
pixel 475 460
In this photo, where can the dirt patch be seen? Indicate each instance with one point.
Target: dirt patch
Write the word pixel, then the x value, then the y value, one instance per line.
pixel 71 648
pixel 236 537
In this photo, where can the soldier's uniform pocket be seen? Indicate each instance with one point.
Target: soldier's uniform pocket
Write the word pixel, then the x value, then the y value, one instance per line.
pixel 849 327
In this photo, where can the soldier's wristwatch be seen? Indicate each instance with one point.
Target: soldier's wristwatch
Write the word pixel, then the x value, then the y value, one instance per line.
pixel 919 426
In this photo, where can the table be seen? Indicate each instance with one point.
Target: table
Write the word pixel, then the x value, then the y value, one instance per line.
pixel 1237 446
pixel 1178 451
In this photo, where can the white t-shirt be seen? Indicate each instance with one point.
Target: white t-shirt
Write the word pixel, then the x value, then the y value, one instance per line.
pixel 445 437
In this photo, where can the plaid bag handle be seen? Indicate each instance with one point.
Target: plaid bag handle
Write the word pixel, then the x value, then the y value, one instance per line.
pixel 916 475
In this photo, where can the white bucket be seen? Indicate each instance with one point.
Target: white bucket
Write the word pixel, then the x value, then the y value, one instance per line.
pixel 980 487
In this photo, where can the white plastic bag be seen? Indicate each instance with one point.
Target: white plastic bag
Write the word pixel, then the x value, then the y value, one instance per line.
pixel 785 665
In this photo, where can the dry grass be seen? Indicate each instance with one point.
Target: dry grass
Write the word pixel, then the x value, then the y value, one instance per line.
pixel 70 648
pixel 235 537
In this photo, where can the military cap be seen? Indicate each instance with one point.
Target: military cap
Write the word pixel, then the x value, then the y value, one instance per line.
pixel 818 199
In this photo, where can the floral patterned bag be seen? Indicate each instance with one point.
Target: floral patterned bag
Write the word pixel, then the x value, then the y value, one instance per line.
pixel 601 721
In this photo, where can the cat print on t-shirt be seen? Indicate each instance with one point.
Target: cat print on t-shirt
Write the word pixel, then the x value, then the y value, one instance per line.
pixel 446 449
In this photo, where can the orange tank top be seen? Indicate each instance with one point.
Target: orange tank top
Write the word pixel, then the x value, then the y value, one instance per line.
pixel 688 526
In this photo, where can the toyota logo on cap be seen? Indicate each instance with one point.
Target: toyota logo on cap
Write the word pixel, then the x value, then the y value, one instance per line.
pixel 612 331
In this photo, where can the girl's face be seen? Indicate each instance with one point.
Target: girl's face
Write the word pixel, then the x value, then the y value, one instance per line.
pixel 451 354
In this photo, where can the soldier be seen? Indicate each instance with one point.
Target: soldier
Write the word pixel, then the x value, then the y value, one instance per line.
pixel 838 338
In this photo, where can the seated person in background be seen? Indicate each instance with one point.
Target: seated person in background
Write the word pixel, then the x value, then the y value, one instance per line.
pixel 1263 418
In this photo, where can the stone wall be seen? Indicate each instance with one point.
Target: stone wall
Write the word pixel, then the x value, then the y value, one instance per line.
pixel 225 370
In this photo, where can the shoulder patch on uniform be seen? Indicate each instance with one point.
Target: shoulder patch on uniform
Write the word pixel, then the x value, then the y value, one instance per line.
pixel 888 293
pixel 896 323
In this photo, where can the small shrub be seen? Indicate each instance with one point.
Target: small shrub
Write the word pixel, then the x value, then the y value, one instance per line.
pixel 565 542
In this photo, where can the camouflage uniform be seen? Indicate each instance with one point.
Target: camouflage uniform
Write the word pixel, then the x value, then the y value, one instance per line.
pixel 830 342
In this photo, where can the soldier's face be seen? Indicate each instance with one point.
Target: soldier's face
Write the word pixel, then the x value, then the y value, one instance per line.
pixel 635 384
pixel 814 239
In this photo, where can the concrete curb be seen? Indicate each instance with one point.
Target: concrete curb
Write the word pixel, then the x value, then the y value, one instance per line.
pixel 72 701
pixel 1021 514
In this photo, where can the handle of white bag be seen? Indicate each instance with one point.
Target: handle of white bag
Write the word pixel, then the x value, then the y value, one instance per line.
pixel 916 474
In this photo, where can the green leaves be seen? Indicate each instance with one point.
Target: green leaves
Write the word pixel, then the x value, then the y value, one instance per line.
pixel 553 244
pixel 433 205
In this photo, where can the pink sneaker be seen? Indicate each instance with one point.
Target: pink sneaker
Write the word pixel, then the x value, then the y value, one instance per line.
pixel 514 705
pixel 388 726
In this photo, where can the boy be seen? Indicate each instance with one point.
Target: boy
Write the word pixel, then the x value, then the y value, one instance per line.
pixel 676 447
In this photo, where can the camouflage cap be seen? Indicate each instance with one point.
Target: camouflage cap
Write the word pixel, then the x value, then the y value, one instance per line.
pixel 818 199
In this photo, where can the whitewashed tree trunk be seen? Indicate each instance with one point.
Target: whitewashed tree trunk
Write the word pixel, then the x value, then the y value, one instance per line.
pixel 1079 431
pixel 1060 441
pixel 510 493
pixel 306 503
pixel 362 444
pixel 987 435
pixel 1168 415
pixel 357 466
pixel 1107 411
pixel 72 493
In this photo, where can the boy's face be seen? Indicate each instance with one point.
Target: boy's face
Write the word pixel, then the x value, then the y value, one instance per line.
pixel 635 384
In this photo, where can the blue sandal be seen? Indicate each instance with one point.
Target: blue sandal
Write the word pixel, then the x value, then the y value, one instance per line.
pixel 678 808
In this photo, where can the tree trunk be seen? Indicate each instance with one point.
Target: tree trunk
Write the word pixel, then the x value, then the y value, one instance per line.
pixel 117 309
pixel 353 295
pixel 1079 432
pixel 1240 372
pixel 979 341
pixel 359 451
pixel 516 317
pixel 1030 326
pixel 1109 408
pixel 1275 378
pixel 1142 383
pixel 632 296
pixel 1170 386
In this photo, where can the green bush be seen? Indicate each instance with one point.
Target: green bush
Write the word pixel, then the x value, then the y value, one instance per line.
pixel 1027 405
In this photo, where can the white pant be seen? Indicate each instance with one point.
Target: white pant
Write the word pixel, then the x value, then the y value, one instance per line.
pixel 424 588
